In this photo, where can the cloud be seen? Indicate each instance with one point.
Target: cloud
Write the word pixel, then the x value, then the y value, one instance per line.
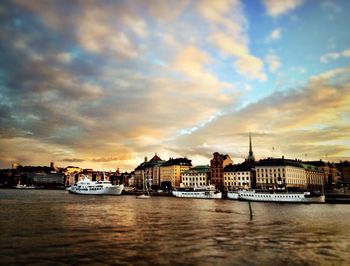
pixel 326 58
pixel 273 62
pixel 106 84
pixel 331 74
pixel 94 27
pixel 276 7
pixel 251 67
pixel 72 160
pixel 191 61
pixel 228 45
pixel 248 65
pixel 228 33
pixel 275 34
pixel 312 119
pixel 110 159
pixel 64 57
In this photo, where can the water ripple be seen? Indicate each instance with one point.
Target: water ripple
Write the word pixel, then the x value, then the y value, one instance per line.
pixel 53 227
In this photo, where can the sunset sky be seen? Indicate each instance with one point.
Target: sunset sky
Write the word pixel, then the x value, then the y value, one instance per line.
pixel 102 84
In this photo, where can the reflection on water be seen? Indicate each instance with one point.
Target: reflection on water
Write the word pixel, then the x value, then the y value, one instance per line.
pixel 54 227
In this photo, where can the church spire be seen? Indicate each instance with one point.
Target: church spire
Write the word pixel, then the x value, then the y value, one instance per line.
pixel 251 157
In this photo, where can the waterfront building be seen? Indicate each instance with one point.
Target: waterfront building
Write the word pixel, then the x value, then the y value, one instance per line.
pixel 152 170
pixel 139 174
pixel 330 171
pixel 53 168
pixel 170 171
pixel 217 165
pixel 118 178
pixel 314 177
pixel 131 179
pixel 344 169
pixel 8 178
pixel 237 176
pixel 272 173
pixel 148 171
pixel 90 173
pixel 195 176
pixel 72 169
pixel 52 180
pixel 15 166
pixel 72 174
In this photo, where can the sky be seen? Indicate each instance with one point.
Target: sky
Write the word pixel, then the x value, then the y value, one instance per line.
pixel 102 84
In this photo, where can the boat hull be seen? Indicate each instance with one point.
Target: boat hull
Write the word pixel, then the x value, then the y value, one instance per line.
pixel 113 190
pixel 280 197
pixel 198 194
pixel 233 195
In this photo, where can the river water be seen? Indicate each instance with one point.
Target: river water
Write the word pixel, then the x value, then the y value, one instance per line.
pixel 41 227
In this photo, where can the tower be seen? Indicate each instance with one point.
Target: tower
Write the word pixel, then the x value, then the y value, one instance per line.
pixel 251 157
pixel 251 163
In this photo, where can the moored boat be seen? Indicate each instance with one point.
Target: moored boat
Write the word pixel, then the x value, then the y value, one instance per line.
pixel 21 186
pixel 233 195
pixel 88 187
pixel 276 196
pixel 203 192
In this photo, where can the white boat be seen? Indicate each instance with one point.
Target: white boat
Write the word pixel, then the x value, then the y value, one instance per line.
pixel 234 195
pixel 203 192
pixel 88 187
pixel 276 196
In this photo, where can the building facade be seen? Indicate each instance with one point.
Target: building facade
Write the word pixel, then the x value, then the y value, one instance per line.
pixel 196 176
pixel 72 173
pixel 139 175
pixel 152 171
pixel 148 172
pixel 314 177
pixel 237 177
pixel 329 170
pixel 344 169
pixel 272 173
pixel 170 171
pixel 217 165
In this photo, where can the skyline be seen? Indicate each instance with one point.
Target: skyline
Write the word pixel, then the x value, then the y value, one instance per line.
pixel 104 85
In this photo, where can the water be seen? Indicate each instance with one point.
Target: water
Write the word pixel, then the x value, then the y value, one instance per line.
pixel 53 227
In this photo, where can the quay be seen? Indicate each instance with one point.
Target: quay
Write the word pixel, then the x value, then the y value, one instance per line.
pixel 152 193
pixel 336 197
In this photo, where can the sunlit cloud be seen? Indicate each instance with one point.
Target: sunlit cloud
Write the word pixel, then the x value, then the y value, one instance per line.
pixel 102 85
pixel 72 160
pixel 246 64
pixel 310 116
pixel 192 61
pixel 276 8
pixel 230 37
